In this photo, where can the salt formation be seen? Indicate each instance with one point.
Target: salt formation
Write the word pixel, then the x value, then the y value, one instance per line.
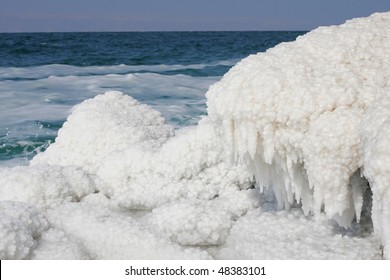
pixel 106 234
pixel 45 186
pixel 375 133
pixel 20 225
pixel 293 113
pixel 125 146
pixel 100 126
pixel 288 232
pixel 180 185
pixel 302 118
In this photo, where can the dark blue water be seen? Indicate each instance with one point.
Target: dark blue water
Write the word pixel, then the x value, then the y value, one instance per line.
pixel 133 48
pixel 42 75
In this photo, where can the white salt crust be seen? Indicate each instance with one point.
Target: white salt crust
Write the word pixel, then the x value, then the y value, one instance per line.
pixel 304 121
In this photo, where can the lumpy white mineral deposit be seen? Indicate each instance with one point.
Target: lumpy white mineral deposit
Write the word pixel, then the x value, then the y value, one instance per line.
pixel 293 153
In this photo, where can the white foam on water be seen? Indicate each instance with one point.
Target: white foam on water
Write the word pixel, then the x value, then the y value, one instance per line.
pixel 51 98
pixel 59 70
pixel 25 104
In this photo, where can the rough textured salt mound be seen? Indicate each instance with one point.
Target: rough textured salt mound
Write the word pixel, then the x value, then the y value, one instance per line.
pixel 45 186
pixel 188 195
pixel 199 222
pixel 109 235
pixel 375 133
pixel 293 113
pixel 54 244
pixel 104 124
pixel 285 237
pixel 20 226
pixel 306 118
pixel 188 166
pixel 135 161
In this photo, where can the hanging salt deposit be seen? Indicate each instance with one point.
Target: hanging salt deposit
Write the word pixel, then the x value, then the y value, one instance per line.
pixel 306 118
pixel 293 114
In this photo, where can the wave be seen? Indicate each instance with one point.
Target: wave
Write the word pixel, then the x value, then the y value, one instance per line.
pixel 20 142
pixel 180 98
pixel 60 70
pixel 52 98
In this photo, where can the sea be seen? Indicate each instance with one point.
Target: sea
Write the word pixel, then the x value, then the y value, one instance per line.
pixel 44 75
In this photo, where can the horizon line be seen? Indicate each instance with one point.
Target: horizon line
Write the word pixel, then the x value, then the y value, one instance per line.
pixel 152 31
